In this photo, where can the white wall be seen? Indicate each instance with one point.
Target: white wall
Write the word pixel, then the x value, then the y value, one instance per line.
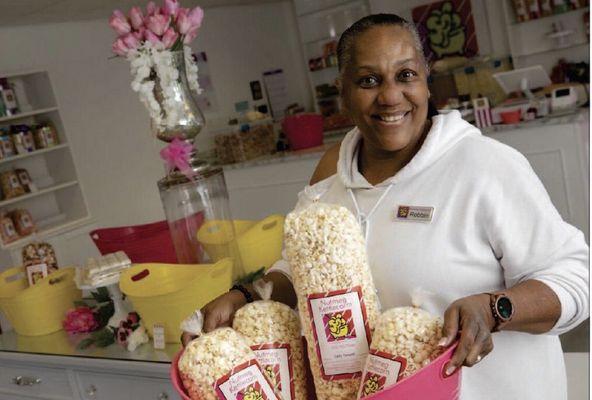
pixel 108 128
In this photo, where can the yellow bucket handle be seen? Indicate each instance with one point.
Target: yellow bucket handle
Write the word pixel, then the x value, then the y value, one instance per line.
pixel 270 222
pixel 55 278
pixel 18 275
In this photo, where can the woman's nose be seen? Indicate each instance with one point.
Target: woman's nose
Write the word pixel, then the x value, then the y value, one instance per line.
pixel 390 94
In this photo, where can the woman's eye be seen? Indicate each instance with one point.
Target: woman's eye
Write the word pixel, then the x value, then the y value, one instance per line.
pixel 407 75
pixel 368 81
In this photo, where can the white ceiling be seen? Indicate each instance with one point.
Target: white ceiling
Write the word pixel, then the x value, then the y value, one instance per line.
pixel 27 12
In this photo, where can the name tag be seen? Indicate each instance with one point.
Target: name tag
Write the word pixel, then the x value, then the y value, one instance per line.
pixel 415 213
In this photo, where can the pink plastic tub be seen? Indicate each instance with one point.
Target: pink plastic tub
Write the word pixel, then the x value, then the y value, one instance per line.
pixel 303 130
pixel 176 377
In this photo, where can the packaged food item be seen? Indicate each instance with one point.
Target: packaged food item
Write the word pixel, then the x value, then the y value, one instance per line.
pixel 404 341
pixel 11 186
pixel 520 10
pixel 22 137
pixel 8 97
pixel 7 229
pixel 533 8
pixel 546 8
pixel 273 331
pixel 25 180
pixel 40 253
pixel 104 270
pixel 220 365
pixel 23 222
pixel 224 153
pixel 7 145
pixel 50 135
pixel 337 300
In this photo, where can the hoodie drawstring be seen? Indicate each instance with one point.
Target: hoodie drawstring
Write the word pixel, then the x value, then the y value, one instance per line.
pixel 363 219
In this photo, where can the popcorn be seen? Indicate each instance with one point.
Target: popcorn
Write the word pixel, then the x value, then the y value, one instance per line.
pixel 221 365
pixel 336 296
pixel 273 331
pixel 406 339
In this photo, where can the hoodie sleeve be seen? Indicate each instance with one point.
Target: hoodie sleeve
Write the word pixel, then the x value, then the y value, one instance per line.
pixel 532 241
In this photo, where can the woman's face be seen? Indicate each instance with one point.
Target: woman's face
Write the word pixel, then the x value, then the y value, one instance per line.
pixel 385 89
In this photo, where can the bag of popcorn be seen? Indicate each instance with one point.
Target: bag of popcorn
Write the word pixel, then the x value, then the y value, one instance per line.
pixel 273 331
pixel 221 365
pixel 404 341
pixel 337 300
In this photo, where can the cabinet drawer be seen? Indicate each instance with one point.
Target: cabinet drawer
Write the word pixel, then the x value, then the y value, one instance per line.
pixel 95 386
pixel 46 383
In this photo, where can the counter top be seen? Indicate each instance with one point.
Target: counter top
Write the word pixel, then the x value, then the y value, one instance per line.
pixel 62 344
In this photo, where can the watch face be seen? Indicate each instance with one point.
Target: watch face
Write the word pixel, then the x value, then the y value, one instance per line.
pixel 504 308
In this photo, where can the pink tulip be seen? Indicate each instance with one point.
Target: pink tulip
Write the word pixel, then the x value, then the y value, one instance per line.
pixel 119 48
pixel 169 38
pixel 151 8
pixel 183 22
pixel 119 14
pixel 131 41
pixel 136 17
pixel 151 37
pixel 192 34
pixel 171 7
pixel 157 23
pixel 139 34
pixel 119 24
pixel 196 16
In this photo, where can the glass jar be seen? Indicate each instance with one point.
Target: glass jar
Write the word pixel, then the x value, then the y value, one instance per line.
pixel 198 214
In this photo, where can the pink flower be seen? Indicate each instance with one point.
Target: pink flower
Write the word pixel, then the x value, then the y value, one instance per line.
pixel 131 41
pixel 118 22
pixel 122 334
pixel 192 34
pixel 80 320
pixel 151 8
pixel 151 37
pixel 171 7
pixel 136 17
pixel 183 22
pixel 157 23
pixel 139 34
pixel 196 16
pixel 119 47
pixel 133 317
pixel 176 155
pixel 169 38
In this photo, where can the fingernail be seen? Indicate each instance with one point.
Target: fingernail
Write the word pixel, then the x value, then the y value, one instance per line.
pixel 443 342
pixel 450 370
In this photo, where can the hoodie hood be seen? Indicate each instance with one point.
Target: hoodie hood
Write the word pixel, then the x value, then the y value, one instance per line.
pixel 448 128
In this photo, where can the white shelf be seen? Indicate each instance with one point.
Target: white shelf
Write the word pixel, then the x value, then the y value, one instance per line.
pixel 48 231
pixel 17 74
pixel 38 193
pixel 549 17
pixel 28 114
pixel 34 153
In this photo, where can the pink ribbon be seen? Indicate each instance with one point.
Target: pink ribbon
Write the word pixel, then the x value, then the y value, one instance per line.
pixel 176 155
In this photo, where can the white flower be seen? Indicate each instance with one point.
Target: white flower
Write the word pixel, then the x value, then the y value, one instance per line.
pixel 136 338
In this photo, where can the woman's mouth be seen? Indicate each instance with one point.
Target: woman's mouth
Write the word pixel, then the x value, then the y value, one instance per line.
pixel 395 118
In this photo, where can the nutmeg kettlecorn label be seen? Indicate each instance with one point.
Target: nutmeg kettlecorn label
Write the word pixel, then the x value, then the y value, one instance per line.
pixel 276 362
pixel 381 370
pixel 245 382
pixel 341 332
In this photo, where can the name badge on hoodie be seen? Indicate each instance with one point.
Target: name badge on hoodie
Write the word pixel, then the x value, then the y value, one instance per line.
pixel 415 213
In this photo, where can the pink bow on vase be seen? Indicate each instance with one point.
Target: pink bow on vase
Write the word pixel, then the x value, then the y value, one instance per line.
pixel 176 155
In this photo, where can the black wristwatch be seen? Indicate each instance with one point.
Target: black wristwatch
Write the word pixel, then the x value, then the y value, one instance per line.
pixel 502 309
pixel 244 291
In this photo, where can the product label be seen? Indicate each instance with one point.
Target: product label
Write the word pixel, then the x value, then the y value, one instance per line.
pixel 7 147
pixel 276 362
pixel 26 221
pixel 245 382
pixel 382 370
pixel 341 332
pixel 8 229
pixel 158 339
pixel 415 213
pixel 14 182
pixel 36 272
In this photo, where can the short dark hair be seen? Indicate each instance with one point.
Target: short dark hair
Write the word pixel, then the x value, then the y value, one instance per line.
pixel 346 41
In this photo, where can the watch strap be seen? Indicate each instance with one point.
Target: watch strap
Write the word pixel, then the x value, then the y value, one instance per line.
pixel 244 291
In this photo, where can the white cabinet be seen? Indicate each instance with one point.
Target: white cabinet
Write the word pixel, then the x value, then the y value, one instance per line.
pixel 24 380
pixel 59 204
pixel 97 386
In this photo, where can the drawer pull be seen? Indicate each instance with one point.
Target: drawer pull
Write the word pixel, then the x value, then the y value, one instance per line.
pixel 91 390
pixel 163 396
pixel 26 381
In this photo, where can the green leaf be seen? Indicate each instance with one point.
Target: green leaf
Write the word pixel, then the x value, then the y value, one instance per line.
pixel 104 337
pixel 84 344
pixel 101 295
pixel 104 313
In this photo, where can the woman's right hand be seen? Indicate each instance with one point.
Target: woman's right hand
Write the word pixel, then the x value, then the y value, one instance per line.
pixel 218 313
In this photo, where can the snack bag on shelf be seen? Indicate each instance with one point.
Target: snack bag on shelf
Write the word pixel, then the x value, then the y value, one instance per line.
pixel 337 300
pixel 25 180
pixel 221 365
pixel 11 186
pixel 405 340
pixel 23 222
pixel 7 229
pixel 40 253
pixel 273 331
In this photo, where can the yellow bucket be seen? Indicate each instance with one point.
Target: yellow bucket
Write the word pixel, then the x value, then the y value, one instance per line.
pixel 166 294
pixel 259 242
pixel 41 308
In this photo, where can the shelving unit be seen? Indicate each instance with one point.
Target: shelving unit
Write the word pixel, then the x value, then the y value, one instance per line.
pixel 59 204
pixel 532 42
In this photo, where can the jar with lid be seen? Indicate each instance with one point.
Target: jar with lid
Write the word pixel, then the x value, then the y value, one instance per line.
pixel 198 213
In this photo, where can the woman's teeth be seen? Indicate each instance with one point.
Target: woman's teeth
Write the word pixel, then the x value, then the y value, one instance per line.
pixel 392 118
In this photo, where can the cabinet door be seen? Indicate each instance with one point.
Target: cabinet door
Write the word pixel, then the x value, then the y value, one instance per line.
pixel 97 386
pixel 46 383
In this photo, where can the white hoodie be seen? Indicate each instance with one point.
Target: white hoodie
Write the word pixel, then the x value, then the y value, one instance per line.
pixel 493 226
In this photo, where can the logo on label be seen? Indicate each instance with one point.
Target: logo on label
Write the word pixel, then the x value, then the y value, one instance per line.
pixel 339 326
pixel 273 373
pixel 373 383
pixel 253 392
pixel 415 213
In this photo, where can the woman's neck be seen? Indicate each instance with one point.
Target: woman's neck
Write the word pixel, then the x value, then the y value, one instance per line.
pixel 377 165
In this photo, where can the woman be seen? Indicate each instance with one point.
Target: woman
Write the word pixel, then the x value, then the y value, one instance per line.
pixel 453 212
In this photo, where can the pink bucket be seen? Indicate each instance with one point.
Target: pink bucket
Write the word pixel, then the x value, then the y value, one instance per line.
pixel 303 130
pixel 176 377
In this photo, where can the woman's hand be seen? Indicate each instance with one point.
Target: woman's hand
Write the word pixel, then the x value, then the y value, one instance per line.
pixel 471 317
pixel 218 312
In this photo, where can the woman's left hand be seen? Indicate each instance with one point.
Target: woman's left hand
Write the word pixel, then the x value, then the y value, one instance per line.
pixel 471 317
